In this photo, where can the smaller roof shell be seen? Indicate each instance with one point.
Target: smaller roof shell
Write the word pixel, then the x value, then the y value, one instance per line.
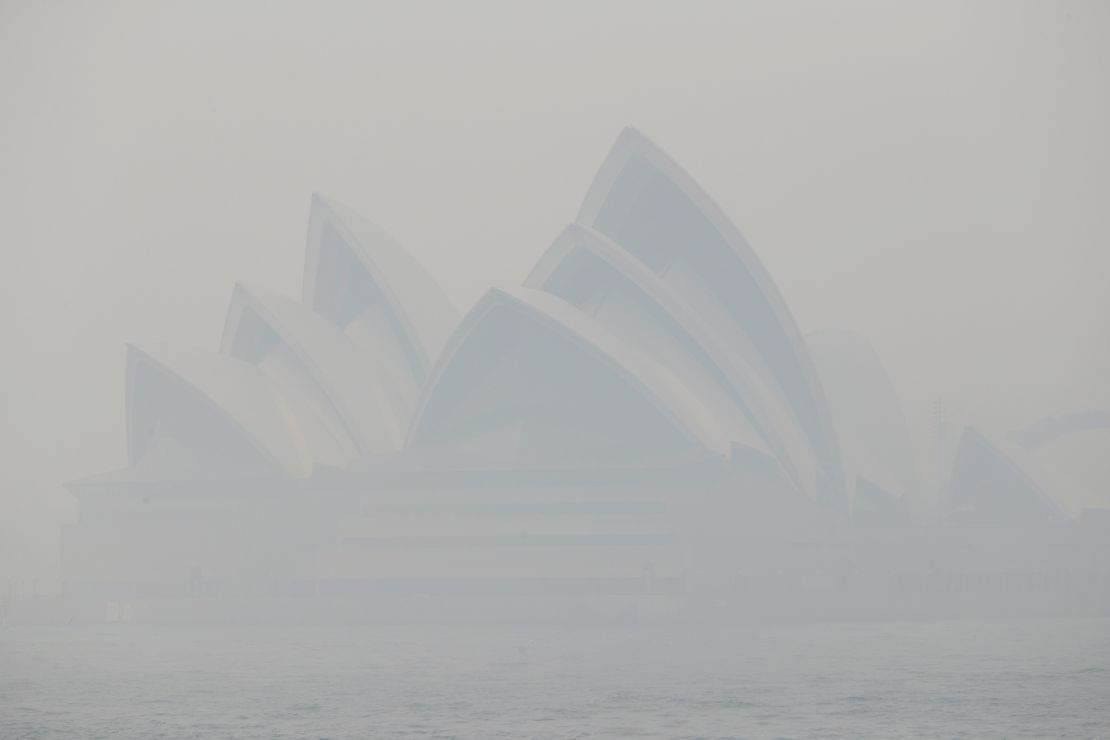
pixel 652 381
pixel 235 391
pixel 414 298
pixel 338 367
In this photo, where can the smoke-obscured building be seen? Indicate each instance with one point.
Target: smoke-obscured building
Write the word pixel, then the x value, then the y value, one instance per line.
pixel 639 429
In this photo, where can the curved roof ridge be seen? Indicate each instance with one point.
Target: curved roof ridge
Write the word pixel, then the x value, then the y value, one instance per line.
pixel 631 145
pixel 235 390
pixel 414 296
pixel 330 356
pixel 652 380
pixel 742 382
pixel 632 141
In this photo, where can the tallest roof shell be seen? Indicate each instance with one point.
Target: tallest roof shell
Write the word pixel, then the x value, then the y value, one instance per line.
pixel 644 201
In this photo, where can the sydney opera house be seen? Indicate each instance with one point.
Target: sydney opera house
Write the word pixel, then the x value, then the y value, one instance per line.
pixel 639 430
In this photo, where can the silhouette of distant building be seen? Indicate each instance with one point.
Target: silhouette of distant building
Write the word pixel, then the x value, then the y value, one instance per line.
pixel 641 423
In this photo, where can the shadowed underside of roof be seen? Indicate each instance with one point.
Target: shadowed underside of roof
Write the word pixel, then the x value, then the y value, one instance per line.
pixel 338 393
pixel 645 202
pixel 360 279
pixel 188 408
pixel 528 380
pixel 601 279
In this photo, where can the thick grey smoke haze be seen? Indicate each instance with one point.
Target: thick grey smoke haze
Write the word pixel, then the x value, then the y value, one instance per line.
pixel 934 176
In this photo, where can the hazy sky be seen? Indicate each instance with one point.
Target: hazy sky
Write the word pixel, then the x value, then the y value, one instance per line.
pixel 933 175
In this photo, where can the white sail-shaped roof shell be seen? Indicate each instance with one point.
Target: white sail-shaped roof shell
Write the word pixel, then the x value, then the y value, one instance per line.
pixel 524 362
pixel 871 427
pixel 600 278
pixel 340 404
pixel 645 202
pixel 215 410
pixel 357 277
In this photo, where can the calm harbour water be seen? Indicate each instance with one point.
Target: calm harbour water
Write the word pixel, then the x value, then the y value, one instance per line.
pixel 884 680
